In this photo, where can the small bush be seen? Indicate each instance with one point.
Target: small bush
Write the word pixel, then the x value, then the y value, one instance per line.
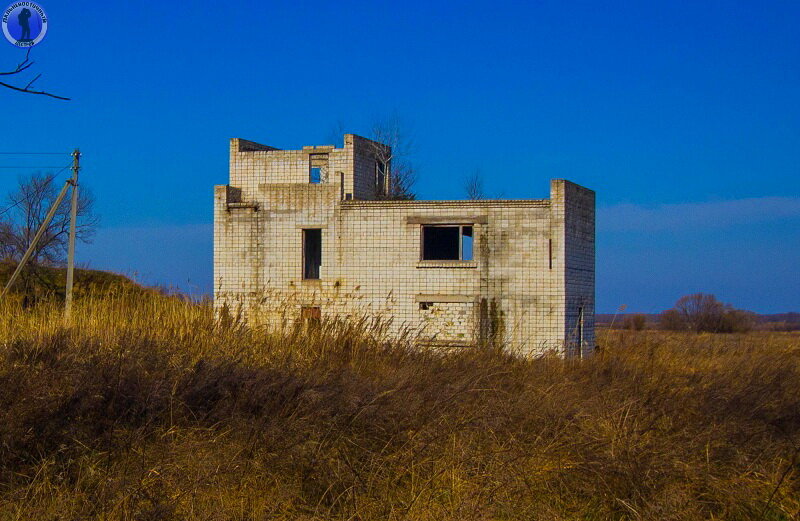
pixel 636 322
pixel 704 313
pixel 672 320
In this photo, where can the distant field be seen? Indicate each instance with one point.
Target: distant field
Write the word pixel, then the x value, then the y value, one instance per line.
pixel 774 322
pixel 145 408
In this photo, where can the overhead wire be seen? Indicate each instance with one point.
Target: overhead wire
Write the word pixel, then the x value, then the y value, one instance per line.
pixel 49 179
pixel 35 153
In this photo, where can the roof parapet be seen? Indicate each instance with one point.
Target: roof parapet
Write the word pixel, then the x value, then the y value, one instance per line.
pixel 243 145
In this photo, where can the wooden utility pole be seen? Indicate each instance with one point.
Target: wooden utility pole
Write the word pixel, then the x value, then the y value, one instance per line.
pixel 73 214
pixel 35 241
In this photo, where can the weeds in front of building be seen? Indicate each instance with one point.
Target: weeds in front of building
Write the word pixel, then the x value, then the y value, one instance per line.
pixel 149 408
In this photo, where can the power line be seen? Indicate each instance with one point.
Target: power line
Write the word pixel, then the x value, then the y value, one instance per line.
pixel 32 166
pixel 49 179
pixel 34 153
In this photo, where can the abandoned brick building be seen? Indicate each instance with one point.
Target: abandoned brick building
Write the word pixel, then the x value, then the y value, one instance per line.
pixel 306 234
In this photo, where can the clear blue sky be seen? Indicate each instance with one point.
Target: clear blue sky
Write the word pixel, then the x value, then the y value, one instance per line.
pixel 684 117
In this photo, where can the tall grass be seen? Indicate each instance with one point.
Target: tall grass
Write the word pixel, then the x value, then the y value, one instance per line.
pixel 146 408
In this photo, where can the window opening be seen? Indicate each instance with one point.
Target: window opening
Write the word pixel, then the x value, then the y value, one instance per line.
pixel 312 253
pixel 447 242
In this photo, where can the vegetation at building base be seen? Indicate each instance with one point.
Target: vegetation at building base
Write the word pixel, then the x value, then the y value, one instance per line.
pixel 146 408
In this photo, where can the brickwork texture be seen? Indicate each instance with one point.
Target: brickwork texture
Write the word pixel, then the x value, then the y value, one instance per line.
pixel 515 273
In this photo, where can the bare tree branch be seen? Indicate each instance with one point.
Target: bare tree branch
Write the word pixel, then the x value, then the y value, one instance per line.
pixel 396 155
pixel 336 133
pixel 473 186
pixel 30 83
pixel 28 206
pixel 21 67
pixel 391 147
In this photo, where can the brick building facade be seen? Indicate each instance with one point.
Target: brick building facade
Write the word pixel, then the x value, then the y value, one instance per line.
pixel 305 234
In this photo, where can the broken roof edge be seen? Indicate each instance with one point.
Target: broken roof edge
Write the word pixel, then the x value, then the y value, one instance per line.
pixel 348 140
pixel 461 203
pixel 243 145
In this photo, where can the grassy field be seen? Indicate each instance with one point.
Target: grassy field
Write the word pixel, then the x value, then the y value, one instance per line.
pixel 145 408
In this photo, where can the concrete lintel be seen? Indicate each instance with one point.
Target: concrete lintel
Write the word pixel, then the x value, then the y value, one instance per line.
pixel 321 149
pixel 445 219
pixel 234 206
pixel 447 264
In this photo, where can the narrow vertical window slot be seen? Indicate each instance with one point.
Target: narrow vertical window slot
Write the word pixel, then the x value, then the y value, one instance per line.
pixel 312 253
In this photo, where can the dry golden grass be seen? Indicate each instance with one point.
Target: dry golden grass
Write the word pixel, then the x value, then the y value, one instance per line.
pixel 145 408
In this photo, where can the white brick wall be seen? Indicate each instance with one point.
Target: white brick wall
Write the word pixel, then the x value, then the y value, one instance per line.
pixel 371 254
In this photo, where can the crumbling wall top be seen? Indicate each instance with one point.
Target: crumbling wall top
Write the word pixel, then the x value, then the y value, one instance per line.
pixel 243 145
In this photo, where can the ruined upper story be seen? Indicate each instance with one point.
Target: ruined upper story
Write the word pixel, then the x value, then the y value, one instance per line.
pixel 360 170
pixel 315 226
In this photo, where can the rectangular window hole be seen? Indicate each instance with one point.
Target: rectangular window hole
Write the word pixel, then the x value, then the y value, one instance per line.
pixel 447 242
pixel 312 253
pixel 315 175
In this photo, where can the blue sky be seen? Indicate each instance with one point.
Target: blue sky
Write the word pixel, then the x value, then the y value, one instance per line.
pixel 683 117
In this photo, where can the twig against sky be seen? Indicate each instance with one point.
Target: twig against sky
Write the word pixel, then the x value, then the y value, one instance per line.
pixel 28 88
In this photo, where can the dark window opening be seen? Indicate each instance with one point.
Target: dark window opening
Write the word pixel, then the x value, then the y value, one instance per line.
pixel 447 243
pixel 550 253
pixel 425 305
pixel 311 316
pixel 315 175
pixel 312 253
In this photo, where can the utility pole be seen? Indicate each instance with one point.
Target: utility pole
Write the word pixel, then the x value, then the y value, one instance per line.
pixel 35 241
pixel 73 214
